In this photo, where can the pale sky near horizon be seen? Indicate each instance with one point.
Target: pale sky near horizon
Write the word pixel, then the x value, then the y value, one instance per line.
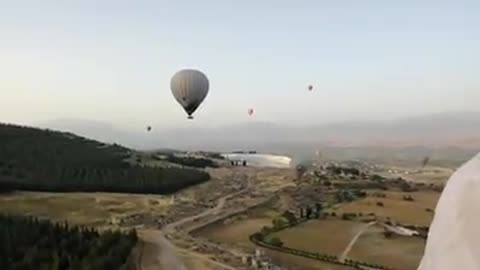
pixel 111 61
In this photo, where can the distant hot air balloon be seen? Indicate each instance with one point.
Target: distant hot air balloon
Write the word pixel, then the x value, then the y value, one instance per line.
pixel 310 87
pixel 425 161
pixel 189 87
pixel 149 128
pixel 250 111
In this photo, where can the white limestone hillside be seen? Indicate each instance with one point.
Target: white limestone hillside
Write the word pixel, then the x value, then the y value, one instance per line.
pixel 262 160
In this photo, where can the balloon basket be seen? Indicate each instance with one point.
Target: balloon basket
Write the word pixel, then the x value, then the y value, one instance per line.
pixel 190 117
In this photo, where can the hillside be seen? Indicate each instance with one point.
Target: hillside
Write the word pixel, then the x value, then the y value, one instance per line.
pixel 34 159
pixel 40 244
pixel 442 130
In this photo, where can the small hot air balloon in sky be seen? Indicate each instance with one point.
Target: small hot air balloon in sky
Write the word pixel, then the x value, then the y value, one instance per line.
pixel 189 87
pixel 425 161
pixel 250 111
pixel 149 128
pixel 310 87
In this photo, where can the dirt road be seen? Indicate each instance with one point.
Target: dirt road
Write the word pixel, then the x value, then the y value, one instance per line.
pixel 220 204
pixel 167 253
pixel 355 238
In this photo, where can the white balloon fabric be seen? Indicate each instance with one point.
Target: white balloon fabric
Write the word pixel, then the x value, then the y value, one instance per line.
pixel 454 237
pixel 189 87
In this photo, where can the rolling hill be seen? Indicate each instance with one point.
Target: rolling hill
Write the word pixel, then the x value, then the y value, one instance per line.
pixel 45 160
pixel 442 130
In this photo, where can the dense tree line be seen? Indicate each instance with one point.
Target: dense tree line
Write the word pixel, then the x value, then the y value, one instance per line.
pixel 191 161
pixel 29 243
pixel 34 159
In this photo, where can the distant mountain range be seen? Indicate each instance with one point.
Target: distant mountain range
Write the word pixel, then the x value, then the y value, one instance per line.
pixel 460 130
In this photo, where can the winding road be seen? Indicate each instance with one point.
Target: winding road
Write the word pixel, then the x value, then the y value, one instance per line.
pixel 170 250
pixel 163 244
pixel 212 211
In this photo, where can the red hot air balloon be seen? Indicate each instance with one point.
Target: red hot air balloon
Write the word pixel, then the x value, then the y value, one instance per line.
pixel 250 111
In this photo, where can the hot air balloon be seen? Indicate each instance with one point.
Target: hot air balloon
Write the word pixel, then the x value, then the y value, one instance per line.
pixel 310 87
pixel 189 87
pixel 250 111
pixel 149 128
pixel 425 161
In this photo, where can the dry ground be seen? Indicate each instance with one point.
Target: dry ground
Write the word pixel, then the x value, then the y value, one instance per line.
pixel 330 237
pixel 403 253
pixel 93 209
pixel 238 232
pixel 333 236
pixel 269 179
pixel 157 255
pixel 397 208
pixel 323 236
pixel 429 174
pixel 152 259
pixel 299 263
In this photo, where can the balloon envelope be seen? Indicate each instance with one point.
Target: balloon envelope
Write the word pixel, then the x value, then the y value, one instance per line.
pixel 310 87
pixel 189 87
pixel 250 111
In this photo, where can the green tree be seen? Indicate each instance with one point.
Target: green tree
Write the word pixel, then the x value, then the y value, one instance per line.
pixel 275 241
pixel 279 222
pixel 290 217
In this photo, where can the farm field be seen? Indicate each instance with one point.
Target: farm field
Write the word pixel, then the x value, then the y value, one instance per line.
pixel 323 236
pixel 299 263
pixel 399 252
pixel 396 207
pixel 333 236
pixel 429 174
pixel 238 232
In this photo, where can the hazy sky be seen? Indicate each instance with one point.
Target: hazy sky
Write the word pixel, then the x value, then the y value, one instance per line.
pixel 112 60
